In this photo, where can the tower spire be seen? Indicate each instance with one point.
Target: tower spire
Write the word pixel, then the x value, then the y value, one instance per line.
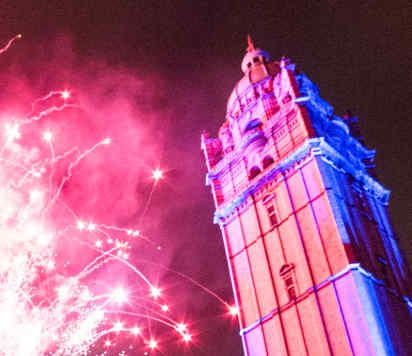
pixel 250 45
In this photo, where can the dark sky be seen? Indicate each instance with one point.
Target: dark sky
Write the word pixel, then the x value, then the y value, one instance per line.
pixel 359 53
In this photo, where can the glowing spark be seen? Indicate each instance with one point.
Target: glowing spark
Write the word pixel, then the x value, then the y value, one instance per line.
pixel 165 308
pixel 98 244
pixel 107 343
pixel 152 344
pixel 65 94
pixel 44 239
pixel 118 326
pixel 86 295
pixel 135 331
pixel 12 132
pixel 91 227
pixel 119 296
pixel 47 136
pixel 35 195
pixel 81 225
pixel 187 337
pixel 155 292
pixel 181 328
pixel 106 141
pixel 157 174
pixel 233 310
pixel 50 265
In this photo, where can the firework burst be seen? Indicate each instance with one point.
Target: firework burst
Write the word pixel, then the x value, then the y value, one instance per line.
pixel 48 306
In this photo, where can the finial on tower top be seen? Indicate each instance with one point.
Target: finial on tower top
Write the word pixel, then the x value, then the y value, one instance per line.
pixel 250 45
pixel 253 57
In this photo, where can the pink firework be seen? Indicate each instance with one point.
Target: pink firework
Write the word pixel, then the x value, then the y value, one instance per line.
pixel 53 298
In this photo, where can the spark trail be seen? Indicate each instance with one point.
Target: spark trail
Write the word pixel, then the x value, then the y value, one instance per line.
pixel 10 43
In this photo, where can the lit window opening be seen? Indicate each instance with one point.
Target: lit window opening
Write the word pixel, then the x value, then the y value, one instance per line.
pixel 271 209
pixel 254 171
pixel 287 274
pixel 267 161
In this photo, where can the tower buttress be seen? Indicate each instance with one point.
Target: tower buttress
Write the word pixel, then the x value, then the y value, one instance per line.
pixel 314 264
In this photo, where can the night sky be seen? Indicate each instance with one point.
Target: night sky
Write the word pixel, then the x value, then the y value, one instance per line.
pixel 186 57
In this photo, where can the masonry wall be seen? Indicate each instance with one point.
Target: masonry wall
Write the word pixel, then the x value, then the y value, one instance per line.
pixel 305 236
pixel 365 228
pixel 322 229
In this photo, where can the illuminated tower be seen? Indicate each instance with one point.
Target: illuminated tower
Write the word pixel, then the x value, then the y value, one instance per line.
pixel 314 264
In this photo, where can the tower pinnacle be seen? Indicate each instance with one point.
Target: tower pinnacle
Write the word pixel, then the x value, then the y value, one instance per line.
pixel 253 57
pixel 250 44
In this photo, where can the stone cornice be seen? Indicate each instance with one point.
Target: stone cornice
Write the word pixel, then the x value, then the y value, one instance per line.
pixel 311 147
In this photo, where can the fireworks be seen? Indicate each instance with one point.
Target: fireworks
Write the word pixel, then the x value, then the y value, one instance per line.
pixel 65 94
pixel 233 310
pixel 46 305
pixel 157 174
pixel 9 43
pixel 155 292
pixel 44 310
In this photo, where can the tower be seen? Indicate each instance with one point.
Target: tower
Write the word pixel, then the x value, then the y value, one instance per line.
pixel 314 264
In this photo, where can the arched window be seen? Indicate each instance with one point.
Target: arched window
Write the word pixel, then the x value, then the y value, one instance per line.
pixel 267 161
pixel 269 201
pixel 254 171
pixel 287 274
pixel 253 124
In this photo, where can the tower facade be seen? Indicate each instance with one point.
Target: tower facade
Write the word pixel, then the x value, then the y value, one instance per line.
pixel 314 264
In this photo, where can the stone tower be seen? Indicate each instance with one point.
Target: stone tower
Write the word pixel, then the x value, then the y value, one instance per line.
pixel 314 264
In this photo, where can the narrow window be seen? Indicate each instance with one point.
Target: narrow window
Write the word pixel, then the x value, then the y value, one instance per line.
pixel 286 99
pixel 286 272
pixel 254 171
pixel 273 218
pixel 267 161
pixel 270 203
pixel 290 287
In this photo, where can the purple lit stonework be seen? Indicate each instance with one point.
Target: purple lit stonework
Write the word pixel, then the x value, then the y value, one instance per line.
pixel 314 264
